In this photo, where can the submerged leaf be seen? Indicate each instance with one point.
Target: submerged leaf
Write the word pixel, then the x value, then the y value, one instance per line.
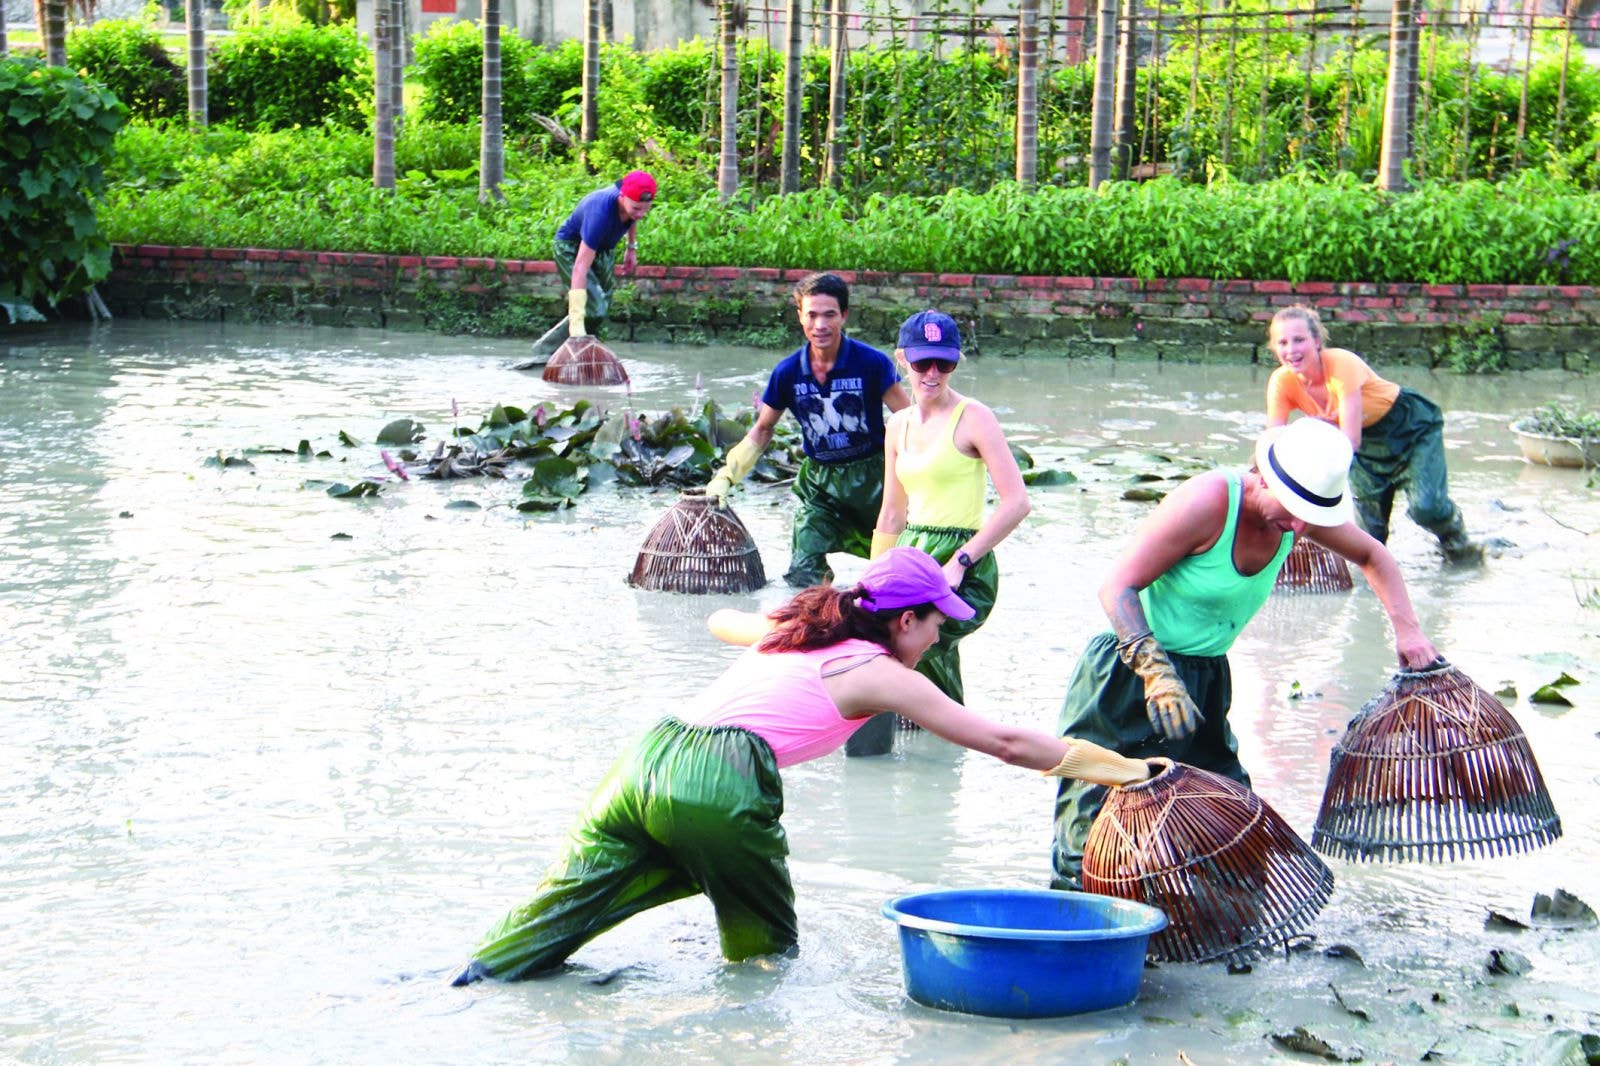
pixel 1049 477
pixel 1549 694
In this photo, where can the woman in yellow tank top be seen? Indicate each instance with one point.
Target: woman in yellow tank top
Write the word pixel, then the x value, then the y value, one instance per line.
pixel 938 453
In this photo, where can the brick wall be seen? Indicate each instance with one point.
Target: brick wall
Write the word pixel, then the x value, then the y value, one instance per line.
pixel 1186 319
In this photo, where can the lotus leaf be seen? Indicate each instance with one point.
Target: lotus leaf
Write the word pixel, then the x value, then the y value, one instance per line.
pixel 401 431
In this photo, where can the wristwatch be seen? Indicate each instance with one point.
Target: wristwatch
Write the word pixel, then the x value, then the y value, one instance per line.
pixel 965 560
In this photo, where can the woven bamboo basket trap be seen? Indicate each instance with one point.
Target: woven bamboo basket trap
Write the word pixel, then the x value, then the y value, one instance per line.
pixel 1433 769
pixel 585 361
pixel 1312 568
pixel 1232 877
pixel 698 546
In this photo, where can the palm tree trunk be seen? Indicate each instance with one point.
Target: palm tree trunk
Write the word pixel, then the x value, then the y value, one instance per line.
pixel 492 148
pixel 397 60
pixel 1028 93
pixel 789 175
pixel 1396 137
pixel 590 128
pixel 194 14
pixel 1124 142
pixel 837 57
pixel 383 100
pixel 1105 93
pixel 54 31
pixel 728 156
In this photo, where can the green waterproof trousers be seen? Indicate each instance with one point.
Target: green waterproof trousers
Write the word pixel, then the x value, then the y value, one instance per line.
pixel 838 510
pixel 602 277
pixel 1105 704
pixel 685 810
pixel 1405 450
pixel 941 663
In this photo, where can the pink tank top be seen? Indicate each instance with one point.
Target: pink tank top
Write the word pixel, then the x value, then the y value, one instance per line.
pixel 781 699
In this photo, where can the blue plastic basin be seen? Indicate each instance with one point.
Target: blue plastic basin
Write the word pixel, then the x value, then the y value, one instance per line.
pixel 1022 953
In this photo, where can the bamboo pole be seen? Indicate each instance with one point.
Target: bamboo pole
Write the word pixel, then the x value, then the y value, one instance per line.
pixel 1530 8
pixel 1227 84
pixel 838 43
pixel 1566 59
pixel 1465 139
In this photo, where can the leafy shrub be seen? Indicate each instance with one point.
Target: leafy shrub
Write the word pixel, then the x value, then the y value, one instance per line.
pixel 1558 421
pixel 449 67
pixel 56 134
pixel 287 74
pixel 127 57
pixel 553 73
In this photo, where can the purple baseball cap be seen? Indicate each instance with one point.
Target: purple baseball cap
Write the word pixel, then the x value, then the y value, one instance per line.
pixel 909 577
pixel 930 335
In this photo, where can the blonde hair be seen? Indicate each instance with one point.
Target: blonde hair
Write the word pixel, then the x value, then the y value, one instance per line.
pixel 1305 314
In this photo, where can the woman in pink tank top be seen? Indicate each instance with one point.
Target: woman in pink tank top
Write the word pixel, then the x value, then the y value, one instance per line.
pixel 693 806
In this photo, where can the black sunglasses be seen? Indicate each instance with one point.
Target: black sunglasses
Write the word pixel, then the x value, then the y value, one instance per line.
pixel 945 366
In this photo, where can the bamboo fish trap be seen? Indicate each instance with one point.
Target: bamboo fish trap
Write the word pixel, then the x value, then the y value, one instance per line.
pixel 698 546
pixel 1312 568
pixel 1232 877
pixel 585 361
pixel 1433 769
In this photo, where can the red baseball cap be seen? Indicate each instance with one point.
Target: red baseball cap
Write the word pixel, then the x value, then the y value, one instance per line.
pixel 640 186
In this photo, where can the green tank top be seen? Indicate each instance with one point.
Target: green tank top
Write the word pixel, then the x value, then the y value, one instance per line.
pixel 1199 606
pixel 944 488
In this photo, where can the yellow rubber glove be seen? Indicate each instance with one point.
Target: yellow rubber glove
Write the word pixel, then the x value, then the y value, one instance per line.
pixel 1172 710
pixel 741 628
pixel 882 542
pixel 1099 766
pixel 577 311
pixel 741 459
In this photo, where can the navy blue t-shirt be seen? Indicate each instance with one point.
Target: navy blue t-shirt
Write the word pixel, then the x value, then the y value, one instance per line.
pixel 595 221
pixel 842 419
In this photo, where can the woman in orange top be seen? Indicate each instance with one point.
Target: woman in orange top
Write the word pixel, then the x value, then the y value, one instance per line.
pixel 1397 433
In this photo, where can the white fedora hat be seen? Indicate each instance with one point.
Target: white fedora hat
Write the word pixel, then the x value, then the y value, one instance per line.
pixel 1306 465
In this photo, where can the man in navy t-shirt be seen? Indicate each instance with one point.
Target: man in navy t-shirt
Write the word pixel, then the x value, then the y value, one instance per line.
pixel 585 253
pixel 836 388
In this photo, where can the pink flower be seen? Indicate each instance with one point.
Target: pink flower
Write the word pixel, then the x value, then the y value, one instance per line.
pixel 394 467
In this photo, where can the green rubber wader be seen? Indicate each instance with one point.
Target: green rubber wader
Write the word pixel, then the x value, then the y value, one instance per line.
pixel 941 663
pixel 685 810
pixel 1105 704
pixel 602 281
pixel 838 510
pixel 1404 450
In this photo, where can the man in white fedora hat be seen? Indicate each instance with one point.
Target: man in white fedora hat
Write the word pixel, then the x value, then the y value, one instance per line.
pixel 1201 566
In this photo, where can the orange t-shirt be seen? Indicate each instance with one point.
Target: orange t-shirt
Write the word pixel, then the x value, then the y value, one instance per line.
pixel 1343 373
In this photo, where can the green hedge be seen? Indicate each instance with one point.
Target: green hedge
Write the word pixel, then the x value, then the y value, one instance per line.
pixel 127 57
pixel 287 74
pixel 311 190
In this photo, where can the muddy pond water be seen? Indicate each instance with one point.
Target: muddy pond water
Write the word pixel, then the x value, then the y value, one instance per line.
pixel 270 762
